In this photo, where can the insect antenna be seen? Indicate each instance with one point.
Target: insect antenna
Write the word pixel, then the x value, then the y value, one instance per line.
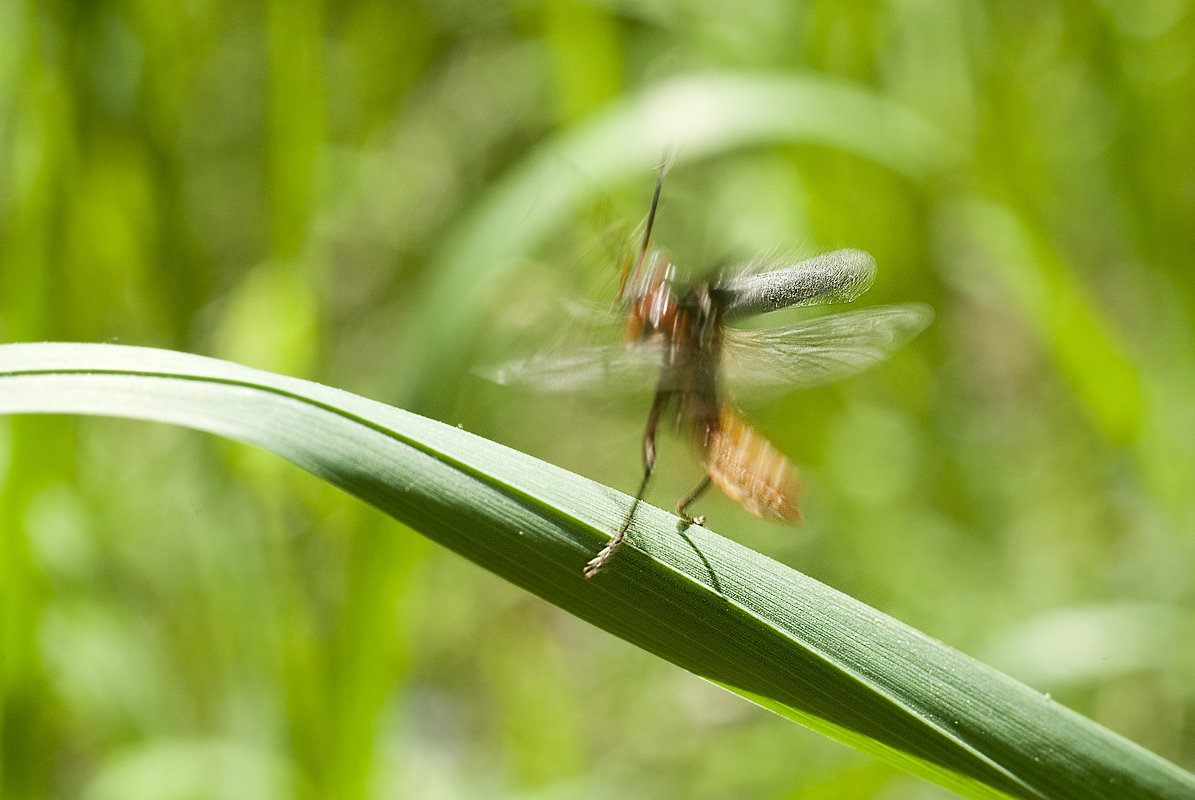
pixel 651 219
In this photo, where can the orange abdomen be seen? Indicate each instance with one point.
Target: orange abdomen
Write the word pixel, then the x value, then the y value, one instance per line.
pixel 751 471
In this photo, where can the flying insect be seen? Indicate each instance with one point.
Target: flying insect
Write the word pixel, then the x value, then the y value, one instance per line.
pixel 683 332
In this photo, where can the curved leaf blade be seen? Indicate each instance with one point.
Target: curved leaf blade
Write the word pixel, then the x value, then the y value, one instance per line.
pixel 694 598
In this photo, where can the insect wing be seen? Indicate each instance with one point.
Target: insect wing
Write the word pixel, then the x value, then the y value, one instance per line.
pixel 821 350
pixel 615 367
pixel 837 277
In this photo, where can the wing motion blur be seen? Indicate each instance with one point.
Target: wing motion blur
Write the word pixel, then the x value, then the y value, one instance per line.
pixel 619 366
pixel 808 353
pixel 821 350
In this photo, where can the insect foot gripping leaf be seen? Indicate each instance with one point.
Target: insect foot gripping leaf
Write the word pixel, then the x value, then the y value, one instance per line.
pixel 751 472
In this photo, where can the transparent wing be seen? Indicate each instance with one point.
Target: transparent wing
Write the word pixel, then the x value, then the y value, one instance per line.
pixel 614 367
pixel 581 349
pixel 819 350
pixel 809 353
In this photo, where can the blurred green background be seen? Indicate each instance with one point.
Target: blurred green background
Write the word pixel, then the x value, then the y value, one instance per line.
pixel 379 195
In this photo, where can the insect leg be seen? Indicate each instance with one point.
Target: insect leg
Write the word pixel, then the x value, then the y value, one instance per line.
pixel 649 462
pixel 689 498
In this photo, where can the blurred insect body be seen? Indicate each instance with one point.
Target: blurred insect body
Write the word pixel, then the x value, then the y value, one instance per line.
pixel 679 330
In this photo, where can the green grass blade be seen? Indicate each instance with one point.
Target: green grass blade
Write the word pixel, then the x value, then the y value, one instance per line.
pixel 694 598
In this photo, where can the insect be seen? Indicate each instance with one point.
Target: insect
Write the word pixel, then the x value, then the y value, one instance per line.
pixel 681 330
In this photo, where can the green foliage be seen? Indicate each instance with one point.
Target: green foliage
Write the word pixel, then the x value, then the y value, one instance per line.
pixel 377 195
